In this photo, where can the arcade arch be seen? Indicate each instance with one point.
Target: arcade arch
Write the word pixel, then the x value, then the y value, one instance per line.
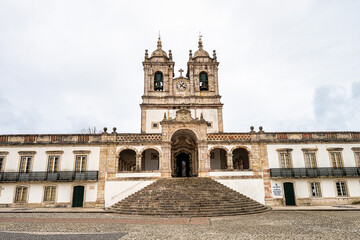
pixel 218 159
pixel 240 158
pixel 127 160
pixel 150 159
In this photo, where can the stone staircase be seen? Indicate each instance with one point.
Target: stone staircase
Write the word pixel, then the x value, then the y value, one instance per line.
pixel 188 197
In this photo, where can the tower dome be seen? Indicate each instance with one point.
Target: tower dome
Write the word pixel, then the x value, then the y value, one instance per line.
pixel 201 52
pixel 159 52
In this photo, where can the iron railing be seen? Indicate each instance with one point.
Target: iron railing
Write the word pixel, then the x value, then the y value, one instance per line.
pixel 314 172
pixel 61 176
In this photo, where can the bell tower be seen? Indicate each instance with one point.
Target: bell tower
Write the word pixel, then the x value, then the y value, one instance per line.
pixel 197 92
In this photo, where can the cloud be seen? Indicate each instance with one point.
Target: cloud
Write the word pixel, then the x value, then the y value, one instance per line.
pixel 66 66
pixel 336 108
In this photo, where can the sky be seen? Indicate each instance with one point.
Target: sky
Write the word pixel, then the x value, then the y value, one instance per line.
pixel 285 65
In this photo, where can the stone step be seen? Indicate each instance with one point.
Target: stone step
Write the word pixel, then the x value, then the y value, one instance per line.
pixel 187 197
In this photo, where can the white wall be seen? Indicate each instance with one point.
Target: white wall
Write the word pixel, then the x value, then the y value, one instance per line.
pixel 328 187
pixel 40 159
pixel 322 155
pixel 117 191
pixel 252 188
pixel 36 192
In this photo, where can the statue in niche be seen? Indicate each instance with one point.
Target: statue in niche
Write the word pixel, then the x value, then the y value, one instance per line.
pixel 183 168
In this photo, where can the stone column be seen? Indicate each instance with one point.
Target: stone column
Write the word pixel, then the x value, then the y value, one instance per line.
pixel 107 172
pixel 229 160
pixel 138 162
pixel 204 159
pixel 165 164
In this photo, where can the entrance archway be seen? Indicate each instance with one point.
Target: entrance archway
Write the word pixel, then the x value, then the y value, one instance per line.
pixel 184 154
pixel 183 164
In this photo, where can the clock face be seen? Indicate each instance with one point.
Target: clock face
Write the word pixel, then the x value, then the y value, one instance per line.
pixel 181 85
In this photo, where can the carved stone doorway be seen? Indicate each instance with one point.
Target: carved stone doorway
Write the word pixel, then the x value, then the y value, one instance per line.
pixel 184 153
pixel 182 164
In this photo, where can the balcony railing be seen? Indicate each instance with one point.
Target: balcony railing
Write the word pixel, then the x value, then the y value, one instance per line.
pixel 314 172
pixel 61 176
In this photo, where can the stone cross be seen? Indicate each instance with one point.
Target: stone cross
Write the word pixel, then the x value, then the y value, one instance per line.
pixel 181 71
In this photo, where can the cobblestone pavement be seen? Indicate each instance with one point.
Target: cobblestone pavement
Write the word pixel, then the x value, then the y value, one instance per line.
pixel 269 225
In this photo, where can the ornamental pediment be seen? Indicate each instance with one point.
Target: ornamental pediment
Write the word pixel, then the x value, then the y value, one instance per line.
pixel 183 115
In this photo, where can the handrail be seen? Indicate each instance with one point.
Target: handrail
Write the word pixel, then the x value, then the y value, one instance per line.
pixel 314 172
pixel 60 176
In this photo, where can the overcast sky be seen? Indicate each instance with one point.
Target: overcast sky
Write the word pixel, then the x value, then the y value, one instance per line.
pixel 284 65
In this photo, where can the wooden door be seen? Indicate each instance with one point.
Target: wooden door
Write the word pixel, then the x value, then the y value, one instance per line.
pixel 78 196
pixel 289 194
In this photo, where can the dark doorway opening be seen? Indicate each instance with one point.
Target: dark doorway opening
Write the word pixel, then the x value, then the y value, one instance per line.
pixel 289 194
pixel 78 196
pixel 183 165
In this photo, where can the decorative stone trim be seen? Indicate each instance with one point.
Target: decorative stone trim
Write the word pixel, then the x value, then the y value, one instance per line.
pixel 4 138
pixel 56 138
pixel 355 135
pixel 81 151
pixel 138 137
pixel 331 135
pixel 228 137
pixel 29 139
pixel 83 138
pixel 54 152
pixel 309 149
pixel 335 149
pixel 281 136
pixel 284 149
pixel 355 149
pixel 4 153
pixel 27 152
pixel 307 136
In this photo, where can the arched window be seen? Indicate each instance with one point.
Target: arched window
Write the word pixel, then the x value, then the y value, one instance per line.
pixel 150 160
pixel 158 81
pixel 127 160
pixel 241 159
pixel 218 159
pixel 204 83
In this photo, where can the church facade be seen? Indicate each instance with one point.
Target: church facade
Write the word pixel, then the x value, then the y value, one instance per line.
pixel 181 135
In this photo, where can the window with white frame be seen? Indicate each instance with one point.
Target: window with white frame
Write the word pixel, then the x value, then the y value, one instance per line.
pixel 21 194
pixel 285 160
pixel 49 194
pixel 310 160
pixel 315 189
pixel 341 189
pixel 336 159
pixel 357 158
pixel 2 159
pixel 53 164
pixel 25 164
pixel 81 163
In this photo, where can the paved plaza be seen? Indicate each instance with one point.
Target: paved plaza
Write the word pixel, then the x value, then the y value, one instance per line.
pixel 269 225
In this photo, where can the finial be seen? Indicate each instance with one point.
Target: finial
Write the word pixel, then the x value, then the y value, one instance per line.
pixel 181 71
pixel 261 129
pixel 214 55
pixel 190 54
pixel 159 42
pixel 164 115
pixel 146 54
pixel 201 116
pixel 114 129
pixel 200 41
pixel 170 55
pixel 105 129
